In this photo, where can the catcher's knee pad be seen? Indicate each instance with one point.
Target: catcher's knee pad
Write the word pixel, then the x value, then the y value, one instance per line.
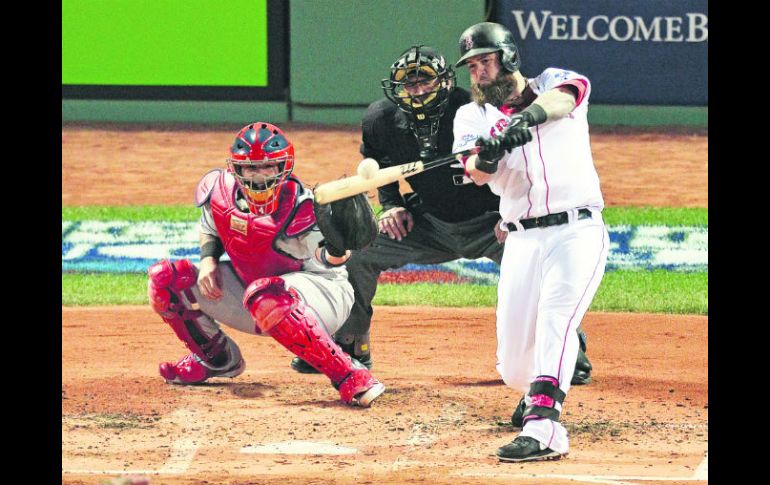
pixel 168 282
pixel 280 313
pixel 268 302
pixel 545 394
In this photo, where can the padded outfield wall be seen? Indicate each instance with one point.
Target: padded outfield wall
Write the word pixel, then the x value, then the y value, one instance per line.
pixel 321 61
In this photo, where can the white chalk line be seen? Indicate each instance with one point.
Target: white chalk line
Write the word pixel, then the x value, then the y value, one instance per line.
pixel 181 456
pixel 182 453
pixel 702 472
pixel 298 447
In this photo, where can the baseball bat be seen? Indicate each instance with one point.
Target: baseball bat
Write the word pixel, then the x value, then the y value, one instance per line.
pixel 353 185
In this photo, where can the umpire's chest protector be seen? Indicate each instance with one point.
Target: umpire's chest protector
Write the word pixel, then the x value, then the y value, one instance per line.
pixel 250 239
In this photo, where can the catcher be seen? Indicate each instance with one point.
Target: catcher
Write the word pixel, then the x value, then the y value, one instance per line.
pixel 284 275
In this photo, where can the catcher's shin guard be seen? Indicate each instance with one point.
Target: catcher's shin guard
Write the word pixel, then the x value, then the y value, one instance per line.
pixel 356 346
pixel 545 394
pixel 280 313
pixel 168 282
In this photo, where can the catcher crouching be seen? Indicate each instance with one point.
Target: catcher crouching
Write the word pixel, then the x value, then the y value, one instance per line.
pixel 284 275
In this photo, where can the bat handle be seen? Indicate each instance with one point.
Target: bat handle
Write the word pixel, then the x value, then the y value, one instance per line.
pixel 452 158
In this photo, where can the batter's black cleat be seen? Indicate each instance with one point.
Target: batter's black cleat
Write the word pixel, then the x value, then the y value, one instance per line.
pixel 517 418
pixel 524 448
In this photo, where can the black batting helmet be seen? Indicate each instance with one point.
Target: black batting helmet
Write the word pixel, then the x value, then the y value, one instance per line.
pixel 487 37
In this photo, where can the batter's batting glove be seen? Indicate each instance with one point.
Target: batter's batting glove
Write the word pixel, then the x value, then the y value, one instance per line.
pixel 491 152
pixel 517 132
pixel 514 135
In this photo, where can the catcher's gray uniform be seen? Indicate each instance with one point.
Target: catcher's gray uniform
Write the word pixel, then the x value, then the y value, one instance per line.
pixel 325 291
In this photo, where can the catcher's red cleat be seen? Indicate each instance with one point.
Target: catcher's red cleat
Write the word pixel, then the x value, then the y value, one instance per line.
pixel 360 388
pixel 190 370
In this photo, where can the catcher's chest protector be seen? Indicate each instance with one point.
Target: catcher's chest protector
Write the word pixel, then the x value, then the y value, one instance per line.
pixel 250 239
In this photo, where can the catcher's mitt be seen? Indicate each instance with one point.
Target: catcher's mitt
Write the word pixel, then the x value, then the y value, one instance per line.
pixel 346 224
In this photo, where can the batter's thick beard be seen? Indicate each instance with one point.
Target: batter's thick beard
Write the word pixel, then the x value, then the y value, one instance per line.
pixel 496 92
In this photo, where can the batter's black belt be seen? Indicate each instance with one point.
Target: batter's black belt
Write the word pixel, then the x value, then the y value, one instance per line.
pixel 550 220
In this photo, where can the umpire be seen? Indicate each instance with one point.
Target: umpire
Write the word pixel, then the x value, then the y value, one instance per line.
pixel 447 217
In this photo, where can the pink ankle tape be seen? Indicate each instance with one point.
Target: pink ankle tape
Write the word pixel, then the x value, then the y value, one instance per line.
pixel 542 400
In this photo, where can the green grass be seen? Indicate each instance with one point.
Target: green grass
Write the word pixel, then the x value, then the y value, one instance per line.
pixel 433 294
pixel 632 291
pixel 620 291
pixel 83 289
pixel 178 213
pixel 665 216
pixel 657 291
pixel 166 213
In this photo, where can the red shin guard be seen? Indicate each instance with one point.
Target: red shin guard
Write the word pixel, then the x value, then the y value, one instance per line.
pixel 168 281
pixel 281 314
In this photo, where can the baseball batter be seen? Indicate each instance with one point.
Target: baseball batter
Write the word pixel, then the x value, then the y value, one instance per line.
pixel 284 278
pixel 447 217
pixel 536 156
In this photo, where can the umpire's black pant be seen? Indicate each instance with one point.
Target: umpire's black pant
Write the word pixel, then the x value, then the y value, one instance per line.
pixel 431 241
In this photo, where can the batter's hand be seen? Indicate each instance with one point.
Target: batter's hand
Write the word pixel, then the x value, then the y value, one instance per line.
pixel 396 222
pixel 517 132
pixel 499 233
pixel 491 151
pixel 210 279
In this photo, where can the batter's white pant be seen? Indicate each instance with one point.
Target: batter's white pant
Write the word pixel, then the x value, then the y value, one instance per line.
pixel 548 277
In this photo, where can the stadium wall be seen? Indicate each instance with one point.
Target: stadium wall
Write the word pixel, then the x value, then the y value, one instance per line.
pixel 334 55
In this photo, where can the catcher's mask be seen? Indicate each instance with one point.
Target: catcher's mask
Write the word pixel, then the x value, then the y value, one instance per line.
pixel 486 37
pixel 420 83
pixel 261 159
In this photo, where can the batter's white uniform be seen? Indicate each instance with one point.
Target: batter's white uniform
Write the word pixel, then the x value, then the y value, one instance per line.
pixel 548 275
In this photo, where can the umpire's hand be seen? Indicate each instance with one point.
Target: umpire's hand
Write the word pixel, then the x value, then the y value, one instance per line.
pixel 396 222
pixel 499 233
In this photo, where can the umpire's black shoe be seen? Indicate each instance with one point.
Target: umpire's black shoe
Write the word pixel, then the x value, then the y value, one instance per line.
pixel 524 448
pixel 517 418
pixel 583 369
pixel 303 367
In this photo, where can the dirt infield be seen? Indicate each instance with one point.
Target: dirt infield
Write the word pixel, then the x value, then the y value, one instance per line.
pixel 131 161
pixel 644 419
pixel 445 411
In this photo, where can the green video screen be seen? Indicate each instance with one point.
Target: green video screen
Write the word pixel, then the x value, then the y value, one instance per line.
pixel 164 42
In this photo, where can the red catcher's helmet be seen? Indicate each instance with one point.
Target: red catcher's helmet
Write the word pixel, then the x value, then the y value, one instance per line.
pixel 267 156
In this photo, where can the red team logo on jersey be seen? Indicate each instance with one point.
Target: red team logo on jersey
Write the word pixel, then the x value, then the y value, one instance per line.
pixel 498 127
